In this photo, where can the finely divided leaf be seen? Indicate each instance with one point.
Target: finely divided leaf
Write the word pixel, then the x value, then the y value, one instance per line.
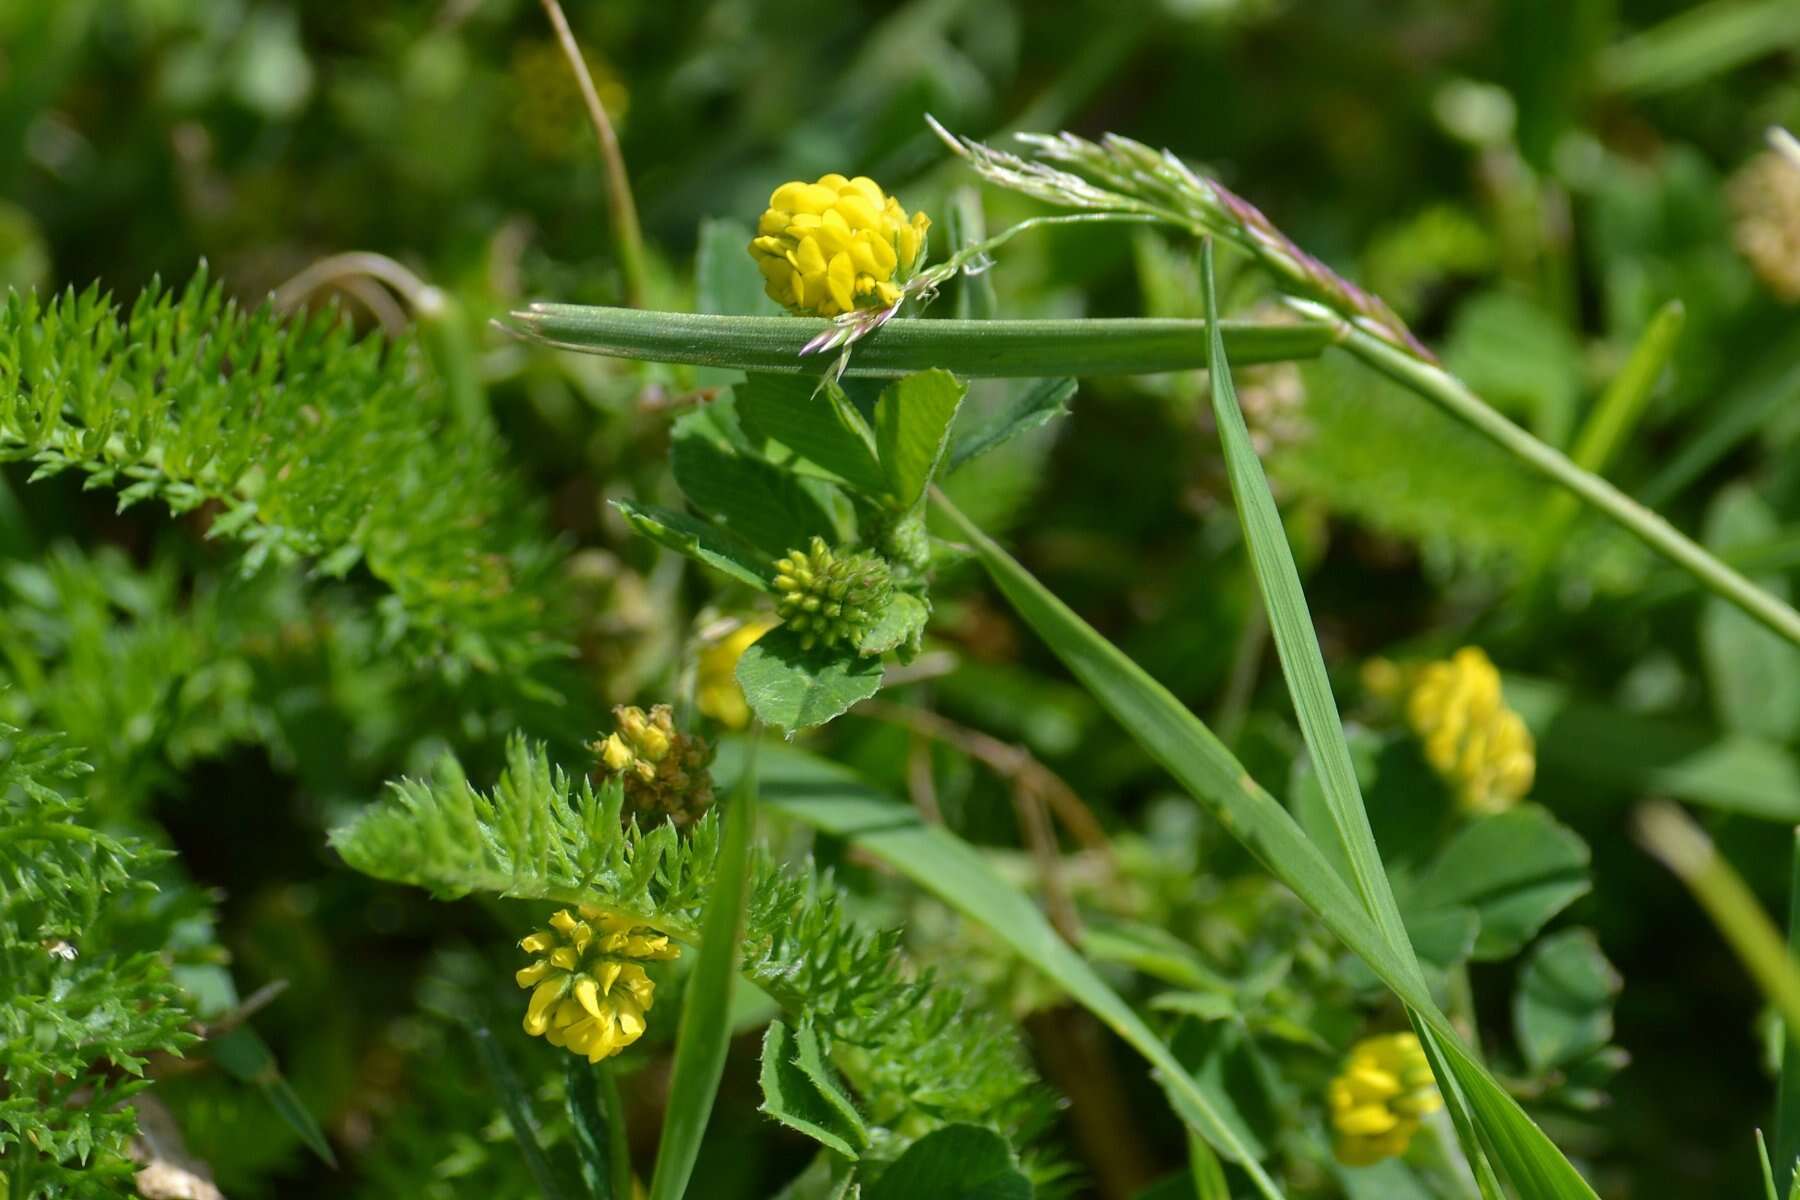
pixel 792 1096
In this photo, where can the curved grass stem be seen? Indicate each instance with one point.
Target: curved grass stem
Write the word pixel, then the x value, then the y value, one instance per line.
pixel 1450 394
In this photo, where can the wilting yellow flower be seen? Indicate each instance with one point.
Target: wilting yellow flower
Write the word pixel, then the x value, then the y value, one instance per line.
pixel 1479 746
pixel 1379 1098
pixel 664 770
pixel 588 988
pixel 1765 198
pixel 839 244
pixel 716 691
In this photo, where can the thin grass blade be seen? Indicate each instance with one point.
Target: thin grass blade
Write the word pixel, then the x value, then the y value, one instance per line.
pixel 517 1107
pixel 1787 1106
pixel 1190 752
pixel 1303 666
pixel 705 1031
pixel 832 799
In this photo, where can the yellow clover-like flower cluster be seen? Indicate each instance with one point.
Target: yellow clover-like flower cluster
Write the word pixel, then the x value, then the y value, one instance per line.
pixel 663 769
pixel 1479 746
pixel 716 690
pixel 1379 1099
pixel 839 244
pixel 589 991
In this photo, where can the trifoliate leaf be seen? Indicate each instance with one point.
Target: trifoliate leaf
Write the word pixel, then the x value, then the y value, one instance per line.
pixel 1563 1010
pixel 701 541
pixel 795 688
pixel 814 420
pixel 764 505
pixel 1516 869
pixel 912 426
pixel 1038 404
pixel 958 1162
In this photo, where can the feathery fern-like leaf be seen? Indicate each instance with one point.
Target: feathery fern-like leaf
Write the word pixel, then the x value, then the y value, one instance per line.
pixel 919 1054
pixel 77 1020
pixel 296 439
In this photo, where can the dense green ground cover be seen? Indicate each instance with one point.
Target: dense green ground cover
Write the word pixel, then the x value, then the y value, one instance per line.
pixel 1021 918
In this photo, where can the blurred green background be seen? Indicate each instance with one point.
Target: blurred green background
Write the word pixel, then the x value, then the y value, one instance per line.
pixel 1526 182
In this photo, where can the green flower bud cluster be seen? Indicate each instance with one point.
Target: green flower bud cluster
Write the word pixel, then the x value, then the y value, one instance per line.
pixel 829 598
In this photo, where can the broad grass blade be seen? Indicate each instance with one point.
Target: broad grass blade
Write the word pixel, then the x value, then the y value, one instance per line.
pixel 971 349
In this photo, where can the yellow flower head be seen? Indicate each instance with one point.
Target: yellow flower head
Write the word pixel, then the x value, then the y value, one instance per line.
pixel 1379 1098
pixel 839 244
pixel 716 691
pixel 588 988
pixel 664 770
pixel 1479 746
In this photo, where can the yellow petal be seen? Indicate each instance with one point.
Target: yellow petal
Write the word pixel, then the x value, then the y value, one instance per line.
pixel 1365 1119
pixel 587 993
pixel 787 197
pixel 533 975
pixel 562 921
pixel 809 258
pixel 1371 1083
pixel 839 278
pixel 537 1011
pixel 856 209
pixel 605 974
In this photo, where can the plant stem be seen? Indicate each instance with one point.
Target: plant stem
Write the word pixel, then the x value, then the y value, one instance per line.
pixel 1671 835
pixel 618 1136
pixel 1787 1107
pixel 618 184
pixel 1452 396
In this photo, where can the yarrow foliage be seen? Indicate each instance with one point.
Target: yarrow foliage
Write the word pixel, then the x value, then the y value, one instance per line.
pixel 589 991
pixel 304 441
pixel 829 598
pixel 918 1053
pixel 834 245
pixel 1479 746
pixel 1378 1100
pixel 77 1019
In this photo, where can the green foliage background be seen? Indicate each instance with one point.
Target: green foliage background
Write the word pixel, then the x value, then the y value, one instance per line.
pixel 1526 181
